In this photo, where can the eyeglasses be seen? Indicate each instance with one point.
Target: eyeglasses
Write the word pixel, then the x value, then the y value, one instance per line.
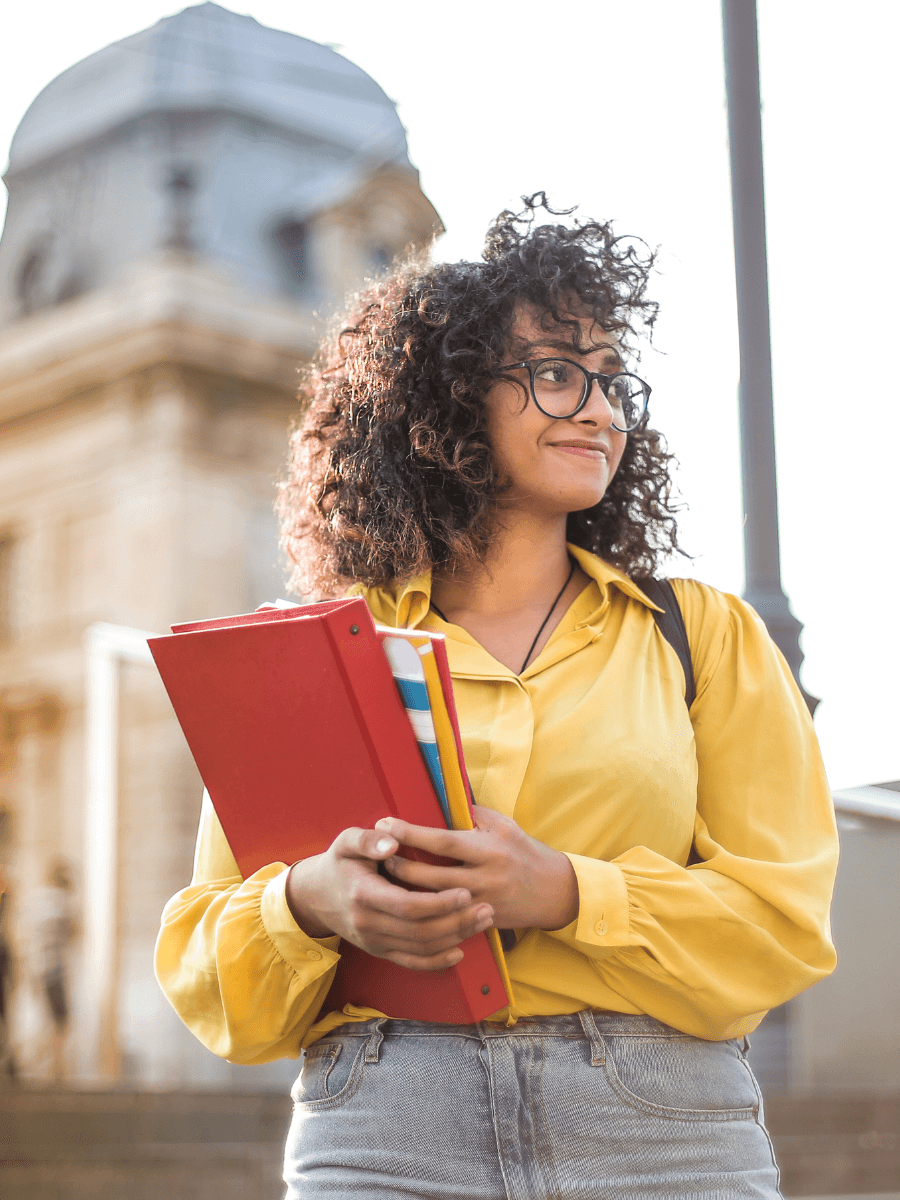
pixel 560 389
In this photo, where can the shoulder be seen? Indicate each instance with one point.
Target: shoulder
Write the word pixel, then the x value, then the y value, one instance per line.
pixel 701 602
pixel 718 622
pixel 743 681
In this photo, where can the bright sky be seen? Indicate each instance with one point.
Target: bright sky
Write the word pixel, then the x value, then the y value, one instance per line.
pixel 619 107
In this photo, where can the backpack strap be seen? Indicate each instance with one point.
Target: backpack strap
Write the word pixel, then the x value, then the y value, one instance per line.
pixel 670 623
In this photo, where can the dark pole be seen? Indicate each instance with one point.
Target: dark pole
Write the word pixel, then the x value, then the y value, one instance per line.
pixel 761 552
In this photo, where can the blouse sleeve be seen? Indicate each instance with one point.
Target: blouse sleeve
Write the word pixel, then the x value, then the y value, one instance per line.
pixel 710 947
pixel 244 978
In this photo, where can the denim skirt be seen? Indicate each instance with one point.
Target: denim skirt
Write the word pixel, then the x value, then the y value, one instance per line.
pixel 574 1107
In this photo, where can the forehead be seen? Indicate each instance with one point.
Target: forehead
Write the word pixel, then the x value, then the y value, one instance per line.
pixel 533 330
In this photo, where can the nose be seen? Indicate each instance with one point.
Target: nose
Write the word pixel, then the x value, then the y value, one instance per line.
pixel 597 410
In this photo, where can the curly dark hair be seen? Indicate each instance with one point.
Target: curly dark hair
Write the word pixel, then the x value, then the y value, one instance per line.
pixel 391 470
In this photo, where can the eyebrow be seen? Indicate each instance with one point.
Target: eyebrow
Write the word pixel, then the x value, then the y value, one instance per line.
pixel 568 348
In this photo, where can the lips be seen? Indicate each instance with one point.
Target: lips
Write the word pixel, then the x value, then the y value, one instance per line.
pixel 583 448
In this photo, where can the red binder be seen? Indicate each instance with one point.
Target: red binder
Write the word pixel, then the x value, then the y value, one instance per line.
pixel 298 732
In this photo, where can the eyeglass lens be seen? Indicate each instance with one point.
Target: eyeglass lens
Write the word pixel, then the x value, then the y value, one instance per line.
pixel 560 387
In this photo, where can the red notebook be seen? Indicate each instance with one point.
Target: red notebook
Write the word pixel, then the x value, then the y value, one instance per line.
pixel 298 731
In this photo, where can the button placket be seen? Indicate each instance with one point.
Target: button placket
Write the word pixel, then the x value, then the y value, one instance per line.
pixel 518 714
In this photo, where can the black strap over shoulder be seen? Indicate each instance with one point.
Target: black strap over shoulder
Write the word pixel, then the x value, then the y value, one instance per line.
pixel 671 625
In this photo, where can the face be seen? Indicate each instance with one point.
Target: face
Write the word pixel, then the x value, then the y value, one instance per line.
pixel 554 466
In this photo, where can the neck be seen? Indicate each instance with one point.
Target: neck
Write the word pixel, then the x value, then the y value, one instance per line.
pixel 526 562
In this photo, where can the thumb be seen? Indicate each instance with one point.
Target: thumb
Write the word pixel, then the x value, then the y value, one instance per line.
pixel 373 844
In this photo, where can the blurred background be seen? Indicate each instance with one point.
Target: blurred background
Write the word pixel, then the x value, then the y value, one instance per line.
pixel 190 194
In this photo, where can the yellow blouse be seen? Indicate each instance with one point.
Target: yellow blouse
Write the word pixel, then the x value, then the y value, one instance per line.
pixel 592 751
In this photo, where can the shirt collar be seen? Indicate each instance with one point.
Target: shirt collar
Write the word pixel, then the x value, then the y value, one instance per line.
pixel 606 576
pixel 405 605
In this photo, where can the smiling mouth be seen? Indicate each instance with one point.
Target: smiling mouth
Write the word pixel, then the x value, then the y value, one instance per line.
pixel 582 449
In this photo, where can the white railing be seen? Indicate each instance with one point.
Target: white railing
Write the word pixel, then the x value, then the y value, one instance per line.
pixel 869 802
pixel 106 646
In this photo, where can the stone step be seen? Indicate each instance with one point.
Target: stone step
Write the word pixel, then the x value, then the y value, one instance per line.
pixel 250 1176
pixel 61 1121
pixel 836 1146
pixel 67 1145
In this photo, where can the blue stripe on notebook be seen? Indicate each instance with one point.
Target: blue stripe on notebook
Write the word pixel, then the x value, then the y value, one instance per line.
pixel 414 693
pixel 409 676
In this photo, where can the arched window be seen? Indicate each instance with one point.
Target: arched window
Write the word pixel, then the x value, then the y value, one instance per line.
pixel 292 240
pixel 29 279
pixel 381 256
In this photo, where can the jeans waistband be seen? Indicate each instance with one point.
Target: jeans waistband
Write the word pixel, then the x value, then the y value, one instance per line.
pixel 585 1024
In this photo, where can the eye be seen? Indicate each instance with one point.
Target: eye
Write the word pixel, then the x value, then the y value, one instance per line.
pixel 555 371
pixel 628 396
pixel 625 389
pixel 618 389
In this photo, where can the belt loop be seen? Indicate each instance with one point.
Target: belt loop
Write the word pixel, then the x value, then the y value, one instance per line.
pixel 373 1045
pixel 592 1033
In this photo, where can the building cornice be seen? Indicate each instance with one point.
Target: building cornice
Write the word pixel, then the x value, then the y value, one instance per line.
pixel 170 310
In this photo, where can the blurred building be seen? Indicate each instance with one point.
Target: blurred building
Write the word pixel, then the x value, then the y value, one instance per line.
pixel 841 1038
pixel 829 1061
pixel 182 205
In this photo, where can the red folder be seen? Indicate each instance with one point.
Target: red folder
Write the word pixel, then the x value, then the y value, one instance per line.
pixel 298 731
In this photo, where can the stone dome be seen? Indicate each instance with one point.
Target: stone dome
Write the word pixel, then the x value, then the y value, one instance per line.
pixel 207 58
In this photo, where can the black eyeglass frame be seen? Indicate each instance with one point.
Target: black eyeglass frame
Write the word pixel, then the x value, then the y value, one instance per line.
pixel 589 376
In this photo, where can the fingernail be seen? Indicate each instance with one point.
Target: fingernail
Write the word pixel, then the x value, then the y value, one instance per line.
pixel 484 913
pixel 384 844
pixel 382 821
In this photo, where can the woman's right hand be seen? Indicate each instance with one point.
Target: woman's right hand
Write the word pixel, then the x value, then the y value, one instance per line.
pixel 340 892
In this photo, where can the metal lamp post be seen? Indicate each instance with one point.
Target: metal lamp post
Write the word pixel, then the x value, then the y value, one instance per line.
pixel 761 550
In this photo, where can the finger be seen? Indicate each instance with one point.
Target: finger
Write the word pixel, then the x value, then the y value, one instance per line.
pixel 425 937
pixel 380 895
pixel 449 843
pixel 374 844
pixel 418 962
pixel 427 875
pixel 427 949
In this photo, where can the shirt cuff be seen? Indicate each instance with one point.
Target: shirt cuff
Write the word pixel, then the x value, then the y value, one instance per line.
pixel 312 956
pixel 603 919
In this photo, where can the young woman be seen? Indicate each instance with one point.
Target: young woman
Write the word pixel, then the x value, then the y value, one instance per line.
pixel 475 458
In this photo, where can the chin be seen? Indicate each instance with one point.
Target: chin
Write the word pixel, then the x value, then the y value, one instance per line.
pixel 579 501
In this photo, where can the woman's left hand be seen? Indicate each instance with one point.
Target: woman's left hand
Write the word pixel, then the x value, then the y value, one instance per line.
pixel 528 885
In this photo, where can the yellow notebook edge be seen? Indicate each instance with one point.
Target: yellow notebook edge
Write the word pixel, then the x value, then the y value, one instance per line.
pixel 457 799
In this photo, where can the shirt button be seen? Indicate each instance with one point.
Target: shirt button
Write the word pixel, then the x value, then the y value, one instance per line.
pixel 602 928
pixel 314 954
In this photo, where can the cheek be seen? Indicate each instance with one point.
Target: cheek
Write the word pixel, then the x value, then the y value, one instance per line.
pixel 618 442
pixel 511 426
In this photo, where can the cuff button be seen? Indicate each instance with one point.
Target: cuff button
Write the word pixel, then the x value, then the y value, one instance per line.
pixel 602 928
